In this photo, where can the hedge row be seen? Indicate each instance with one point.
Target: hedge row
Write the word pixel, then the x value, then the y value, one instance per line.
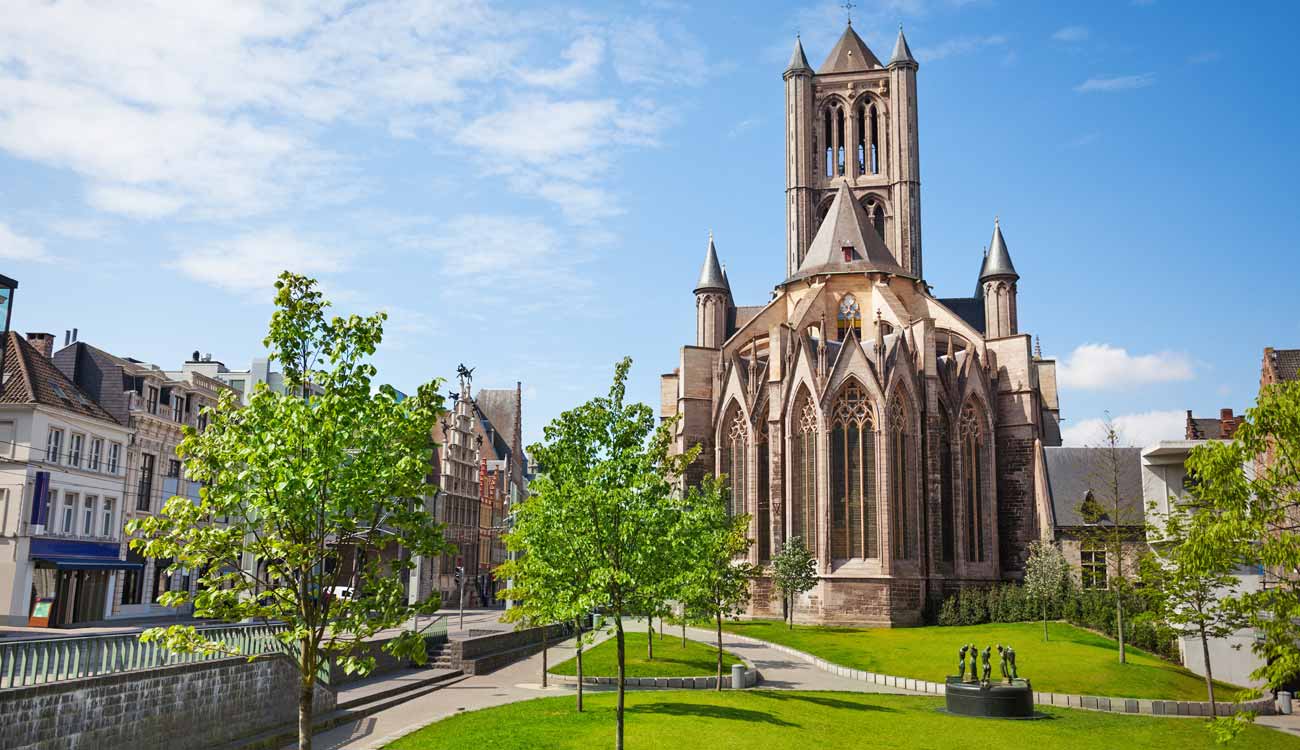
pixel 1091 609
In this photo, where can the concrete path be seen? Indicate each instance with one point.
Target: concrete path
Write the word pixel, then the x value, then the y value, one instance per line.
pixel 522 681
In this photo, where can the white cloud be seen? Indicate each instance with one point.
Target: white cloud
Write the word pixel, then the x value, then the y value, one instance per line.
pixel 743 126
pixel 1102 366
pixel 1138 430
pixel 1071 34
pixel 1103 84
pixel 959 46
pixel 250 262
pixel 646 52
pixel 14 246
pixel 583 56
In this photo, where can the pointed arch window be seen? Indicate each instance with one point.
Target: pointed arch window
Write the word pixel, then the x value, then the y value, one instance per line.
pixel 764 520
pixel 803 476
pixel 734 444
pixel 829 132
pixel 854 533
pixel 947 520
pixel 863 153
pixel 876 214
pixel 849 318
pixel 974 452
pixel 902 526
pixel 873 123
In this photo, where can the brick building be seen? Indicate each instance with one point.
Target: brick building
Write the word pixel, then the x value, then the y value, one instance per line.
pixel 895 431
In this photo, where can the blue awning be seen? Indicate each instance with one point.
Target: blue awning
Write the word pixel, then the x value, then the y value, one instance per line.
pixel 86 563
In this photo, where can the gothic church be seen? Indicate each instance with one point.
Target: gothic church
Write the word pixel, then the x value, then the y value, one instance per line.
pixel 897 433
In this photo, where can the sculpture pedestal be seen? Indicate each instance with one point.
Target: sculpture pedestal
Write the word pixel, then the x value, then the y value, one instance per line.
pixel 997 700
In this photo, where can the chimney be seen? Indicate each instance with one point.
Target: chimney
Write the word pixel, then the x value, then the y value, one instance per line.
pixel 1191 427
pixel 1228 424
pixel 42 342
pixel 74 335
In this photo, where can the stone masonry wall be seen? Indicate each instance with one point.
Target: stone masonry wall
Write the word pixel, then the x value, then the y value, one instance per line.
pixel 172 708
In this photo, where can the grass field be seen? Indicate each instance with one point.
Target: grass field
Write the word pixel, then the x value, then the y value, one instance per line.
pixel 671 660
pixel 1073 661
pixel 781 720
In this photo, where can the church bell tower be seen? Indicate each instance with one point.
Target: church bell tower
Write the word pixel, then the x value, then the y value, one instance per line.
pixel 853 121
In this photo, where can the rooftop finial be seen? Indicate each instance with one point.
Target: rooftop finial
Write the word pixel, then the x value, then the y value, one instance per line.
pixel 848 10
pixel 1038 348
pixel 995 220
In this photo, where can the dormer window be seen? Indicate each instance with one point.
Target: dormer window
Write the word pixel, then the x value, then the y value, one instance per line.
pixel 848 253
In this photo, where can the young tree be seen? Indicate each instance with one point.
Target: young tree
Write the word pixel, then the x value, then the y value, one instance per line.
pixel 613 472
pixel 716 584
pixel 1188 586
pixel 1252 513
pixel 550 577
pixel 1113 521
pixel 794 571
pixel 1045 574
pixel 305 482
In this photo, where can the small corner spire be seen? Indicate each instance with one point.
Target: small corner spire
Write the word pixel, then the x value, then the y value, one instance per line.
pixel 997 260
pixel 798 60
pixel 902 53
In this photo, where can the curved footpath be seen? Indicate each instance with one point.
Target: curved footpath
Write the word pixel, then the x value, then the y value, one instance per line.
pixel 521 681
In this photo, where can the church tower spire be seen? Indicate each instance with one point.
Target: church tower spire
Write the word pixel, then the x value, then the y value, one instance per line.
pixel 998 279
pixel 712 301
pixel 854 122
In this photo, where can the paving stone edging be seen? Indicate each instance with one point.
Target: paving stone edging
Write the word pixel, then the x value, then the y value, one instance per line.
pixel 752 678
pixel 1262 706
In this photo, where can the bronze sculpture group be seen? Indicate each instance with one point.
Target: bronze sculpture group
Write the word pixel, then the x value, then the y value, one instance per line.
pixel 1008 663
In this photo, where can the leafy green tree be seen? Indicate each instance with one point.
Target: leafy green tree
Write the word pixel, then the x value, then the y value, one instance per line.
pixel 794 571
pixel 303 483
pixel 550 576
pixel 1248 490
pixel 1045 573
pixel 614 473
pixel 716 583
pixel 1113 521
pixel 1188 584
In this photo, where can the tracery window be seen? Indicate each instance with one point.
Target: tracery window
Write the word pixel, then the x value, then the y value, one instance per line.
pixel 947 525
pixel 974 451
pixel 803 464
pixel 733 459
pixel 854 533
pixel 902 526
pixel 850 318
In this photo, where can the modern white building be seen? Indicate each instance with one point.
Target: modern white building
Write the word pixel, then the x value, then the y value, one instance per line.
pixel 242 381
pixel 62 489
pixel 1164 488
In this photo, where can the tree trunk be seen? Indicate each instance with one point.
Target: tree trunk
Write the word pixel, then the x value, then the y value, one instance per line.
pixel 1209 675
pixel 1045 637
pixel 307 691
pixel 789 613
pixel 579 668
pixel 1119 617
pixel 545 648
pixel 650 638
pixel 618 706
pixel 719 649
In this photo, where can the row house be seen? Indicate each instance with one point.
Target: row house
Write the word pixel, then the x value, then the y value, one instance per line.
pixel 62 492
pixel 156 405
pixel 503 481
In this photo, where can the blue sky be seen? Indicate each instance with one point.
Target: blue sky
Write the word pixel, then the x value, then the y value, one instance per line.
pixel 528 187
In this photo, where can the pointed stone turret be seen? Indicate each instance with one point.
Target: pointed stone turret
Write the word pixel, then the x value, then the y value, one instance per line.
pixel 849 55
pixel 998 287
pixel 997 262
pixel 902 53
pixel 846 242
pixel 712 277
pixel 798 61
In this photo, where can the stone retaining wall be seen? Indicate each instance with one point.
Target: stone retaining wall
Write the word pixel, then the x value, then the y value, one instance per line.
pixel 177 707
pixel 491 652
pixel 1262 706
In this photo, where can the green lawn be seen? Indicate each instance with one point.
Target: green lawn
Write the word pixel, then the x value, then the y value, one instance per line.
pixel 671 660
pixel 781 720
pixel 1073 661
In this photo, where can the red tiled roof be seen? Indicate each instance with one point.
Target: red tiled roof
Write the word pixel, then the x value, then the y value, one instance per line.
pixel 31 378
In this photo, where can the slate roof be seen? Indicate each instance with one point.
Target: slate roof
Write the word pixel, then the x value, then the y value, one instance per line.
pixel 902 53
pixel 1204 428
pixel 712 277
pixel 969 309
pixel 746 313
pixel 849 55
pixel 498 406
pixel 846 226
pixel 1287 363
pixel 1073 472
pixel 798 60
pixel 998 260
pixel 31 378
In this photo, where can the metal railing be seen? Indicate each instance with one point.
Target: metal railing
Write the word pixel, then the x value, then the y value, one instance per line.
pixel 45 660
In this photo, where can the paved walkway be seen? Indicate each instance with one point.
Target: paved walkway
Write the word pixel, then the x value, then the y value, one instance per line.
pixel 522 681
